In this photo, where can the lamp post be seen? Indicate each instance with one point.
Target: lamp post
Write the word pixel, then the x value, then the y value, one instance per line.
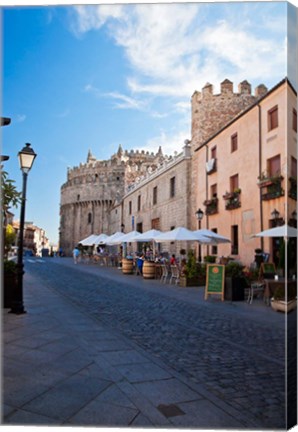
pixel 200 214
pixel 275 216
pixel 26 158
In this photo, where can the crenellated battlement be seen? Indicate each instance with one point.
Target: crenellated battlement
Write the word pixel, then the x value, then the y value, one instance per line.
pixel 210 111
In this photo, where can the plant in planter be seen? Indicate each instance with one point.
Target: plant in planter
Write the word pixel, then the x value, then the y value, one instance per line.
pixel 283 299
pixel 235 281
pixel 209 259
pixel 10 281
pixel 193 274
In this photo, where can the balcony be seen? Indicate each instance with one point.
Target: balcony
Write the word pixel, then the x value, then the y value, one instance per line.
pixel 211 206
pixel 232 199
pixel 273 187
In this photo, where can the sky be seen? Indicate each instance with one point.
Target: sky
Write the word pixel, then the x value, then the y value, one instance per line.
pixel 76 78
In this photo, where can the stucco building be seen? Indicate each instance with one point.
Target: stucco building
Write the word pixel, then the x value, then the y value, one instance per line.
pixel 237 141
pixel 245 174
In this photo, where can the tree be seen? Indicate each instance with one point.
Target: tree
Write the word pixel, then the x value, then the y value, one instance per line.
pixel 10 197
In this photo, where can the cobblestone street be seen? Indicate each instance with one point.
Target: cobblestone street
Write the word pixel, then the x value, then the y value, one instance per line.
pixel 233 352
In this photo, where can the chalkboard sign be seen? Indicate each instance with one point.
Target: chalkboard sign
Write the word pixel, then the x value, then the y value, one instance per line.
pixel 215 280
pixel 268 267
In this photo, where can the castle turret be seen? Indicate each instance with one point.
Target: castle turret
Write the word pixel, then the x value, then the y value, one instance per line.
pixel 90 157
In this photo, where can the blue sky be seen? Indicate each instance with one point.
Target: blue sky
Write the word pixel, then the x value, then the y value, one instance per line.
pixel 76 78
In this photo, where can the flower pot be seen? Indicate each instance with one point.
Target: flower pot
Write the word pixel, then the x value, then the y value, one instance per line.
pixel 10 282
pixel 188 282
pixel 283 306
pixel 234 288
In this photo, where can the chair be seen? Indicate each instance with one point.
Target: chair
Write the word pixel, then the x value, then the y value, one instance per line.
pixel 256 288
pixel 164 274
pixel 175 274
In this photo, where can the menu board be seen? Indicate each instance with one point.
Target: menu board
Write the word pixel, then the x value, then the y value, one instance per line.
pixel 268 268
pixel 215 280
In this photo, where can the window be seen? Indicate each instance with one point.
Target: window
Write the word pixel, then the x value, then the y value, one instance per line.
pixel 89 218
pixel 139 202
pixel 155 224
pixel 78 197
pixel 234 183
pixel 214 248
pixel 213 153
pixel 234 236
pixel 293 167
pixel 213 191
pixel 172 187
pixel 273 166
pixel 273 118
pixel 155 195
pixel 234 142
pixel 129 207
pixel 140 227
pixel 294 120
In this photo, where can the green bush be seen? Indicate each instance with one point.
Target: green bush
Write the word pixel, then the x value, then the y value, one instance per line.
pixel 234 269
pixel 9 266
pixel 209 259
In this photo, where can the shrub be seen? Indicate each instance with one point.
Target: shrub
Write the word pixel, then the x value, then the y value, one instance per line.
pixel 10 267
pixel 234 269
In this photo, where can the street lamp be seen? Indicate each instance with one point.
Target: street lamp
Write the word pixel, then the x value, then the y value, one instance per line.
pixel 200 214
pixel 275 216
pixel 26 158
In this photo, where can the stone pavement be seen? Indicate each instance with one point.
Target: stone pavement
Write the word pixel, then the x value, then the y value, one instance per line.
pixel 61 366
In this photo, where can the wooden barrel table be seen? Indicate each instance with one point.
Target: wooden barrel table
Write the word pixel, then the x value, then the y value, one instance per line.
pixel 149 270
pixel 127 266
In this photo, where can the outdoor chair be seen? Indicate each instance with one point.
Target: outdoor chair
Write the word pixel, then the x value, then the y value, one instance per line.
pixel 175 274
pixel 165 273
pixel 256 288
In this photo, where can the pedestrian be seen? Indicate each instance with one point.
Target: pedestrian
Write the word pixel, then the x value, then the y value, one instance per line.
pixel 75 254
pixel 173 260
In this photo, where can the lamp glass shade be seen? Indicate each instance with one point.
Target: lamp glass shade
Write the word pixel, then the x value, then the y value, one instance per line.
pixel 26 158
pixel 200 214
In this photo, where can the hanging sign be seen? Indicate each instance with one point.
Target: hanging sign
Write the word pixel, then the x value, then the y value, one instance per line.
pixel 215 280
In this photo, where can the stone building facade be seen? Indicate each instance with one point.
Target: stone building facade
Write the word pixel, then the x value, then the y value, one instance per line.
pixel 94 188
pixel 132 190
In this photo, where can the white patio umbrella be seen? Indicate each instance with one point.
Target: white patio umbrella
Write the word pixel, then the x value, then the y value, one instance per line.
pixel 147 236
pixel 101 239
pixel 214 237
pixel 125 238
pixel 177 234
pixel 88 241
pixel 280 231
pixel 113 237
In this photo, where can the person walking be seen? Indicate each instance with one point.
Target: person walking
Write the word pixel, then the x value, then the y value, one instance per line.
pixel 75 254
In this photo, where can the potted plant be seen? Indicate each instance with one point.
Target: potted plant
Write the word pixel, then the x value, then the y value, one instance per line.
pixel 10 198
pixel 10 281
pixel 235 281
pixel 192 273
pixel 282 302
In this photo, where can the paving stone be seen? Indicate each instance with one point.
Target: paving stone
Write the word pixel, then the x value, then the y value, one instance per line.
pixel 143 372
pixel 104 414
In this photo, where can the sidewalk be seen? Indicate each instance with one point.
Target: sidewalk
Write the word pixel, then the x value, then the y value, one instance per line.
pixel 61 367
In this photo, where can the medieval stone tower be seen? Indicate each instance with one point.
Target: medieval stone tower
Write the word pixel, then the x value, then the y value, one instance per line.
pixel 211 112
pixel 93 188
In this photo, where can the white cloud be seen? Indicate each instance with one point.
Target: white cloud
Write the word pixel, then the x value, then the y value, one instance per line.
pixel 126 101
pixel 173 49
pixel 20 118
pixel 170 143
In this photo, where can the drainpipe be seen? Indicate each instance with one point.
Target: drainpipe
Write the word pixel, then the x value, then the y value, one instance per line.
pixel 260 172
pixel 207 217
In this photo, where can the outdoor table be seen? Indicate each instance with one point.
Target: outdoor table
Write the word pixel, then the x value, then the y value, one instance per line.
pixel 272 284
